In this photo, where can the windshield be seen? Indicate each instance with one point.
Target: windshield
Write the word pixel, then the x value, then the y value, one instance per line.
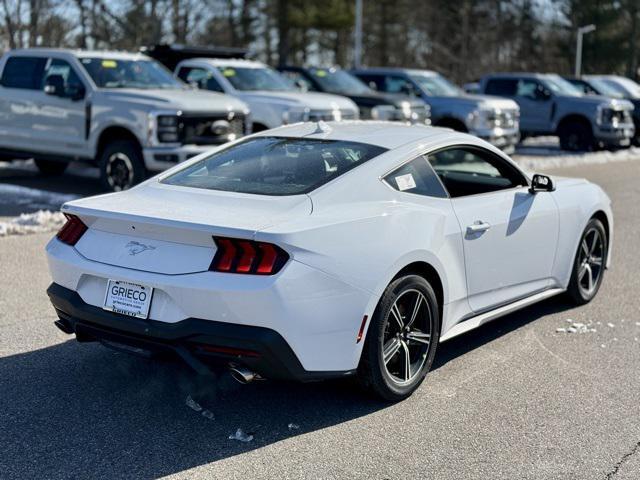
pixel 436 85
pixel 116 73
pixel 560 86
pixel 243 78
pixel 339 81
pixel 626 86
pixel 604 88
pixel 275 165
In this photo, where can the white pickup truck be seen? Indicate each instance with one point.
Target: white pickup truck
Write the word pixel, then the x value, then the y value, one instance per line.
pixel 123 112
pixel 273 99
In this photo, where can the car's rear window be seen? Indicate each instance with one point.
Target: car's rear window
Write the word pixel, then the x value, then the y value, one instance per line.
pixel 275 165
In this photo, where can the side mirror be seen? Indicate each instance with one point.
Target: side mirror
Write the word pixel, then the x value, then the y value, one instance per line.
pixel 54 85
pixel 75 92
pixel 543 94
pixel 541 183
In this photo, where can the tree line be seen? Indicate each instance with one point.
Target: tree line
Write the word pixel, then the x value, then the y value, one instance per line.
pixel 463 39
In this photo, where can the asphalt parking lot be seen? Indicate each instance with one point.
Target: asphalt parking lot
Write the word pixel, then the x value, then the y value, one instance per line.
pixel 514 399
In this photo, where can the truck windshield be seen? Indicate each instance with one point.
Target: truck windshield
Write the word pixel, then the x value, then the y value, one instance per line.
pixel 118 73
pixel 604 88
pixel 626 86
pixel 275 165
pixel 436 85
pixel 560 86
pixel 244 78
pixel 338 81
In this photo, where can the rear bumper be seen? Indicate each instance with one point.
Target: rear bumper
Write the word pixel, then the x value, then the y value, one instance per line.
pixel 201 343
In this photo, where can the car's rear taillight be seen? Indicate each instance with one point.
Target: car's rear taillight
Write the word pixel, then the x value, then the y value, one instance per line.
pixel 71 231
pixel 236 255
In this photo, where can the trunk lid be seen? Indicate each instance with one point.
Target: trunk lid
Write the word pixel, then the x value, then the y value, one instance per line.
pixel 168 229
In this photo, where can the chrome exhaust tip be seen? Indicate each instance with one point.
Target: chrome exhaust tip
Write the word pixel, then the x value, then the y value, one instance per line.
pixel 243 375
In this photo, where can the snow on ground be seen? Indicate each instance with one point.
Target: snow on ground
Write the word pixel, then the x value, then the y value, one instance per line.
pixel 542 153
pixel 39 222
pixel 32 198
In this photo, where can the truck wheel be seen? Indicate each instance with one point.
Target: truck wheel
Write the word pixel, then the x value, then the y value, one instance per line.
pixel 576 137
pixel 51 168
pixel 121 166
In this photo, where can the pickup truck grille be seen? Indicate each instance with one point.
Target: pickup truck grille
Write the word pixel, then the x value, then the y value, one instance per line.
pixel 210 129
pixel 506 119
pixel 330 115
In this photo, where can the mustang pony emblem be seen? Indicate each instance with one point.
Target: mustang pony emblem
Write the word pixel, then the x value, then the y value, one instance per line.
pixel 137 247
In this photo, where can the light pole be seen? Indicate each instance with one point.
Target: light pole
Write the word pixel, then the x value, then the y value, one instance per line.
pixel 357 48
pixel 581 32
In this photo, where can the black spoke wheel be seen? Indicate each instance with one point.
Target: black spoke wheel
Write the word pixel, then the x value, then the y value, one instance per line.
pixel 589 263
pixel 121 166
pixel 402 339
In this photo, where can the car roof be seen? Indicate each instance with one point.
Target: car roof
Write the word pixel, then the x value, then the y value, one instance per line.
pixel 388 135
pixel 517 75
pixel 227 62
pixel 407 71
pixel 106 54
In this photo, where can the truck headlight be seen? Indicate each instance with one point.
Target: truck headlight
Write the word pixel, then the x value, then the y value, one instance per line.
pixel 483 119
pixel 609 116
pixel 167 128
pixel 295 115
pixel 383 112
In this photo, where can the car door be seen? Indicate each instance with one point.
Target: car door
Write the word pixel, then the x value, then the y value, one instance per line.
pixel 20 99
pixel 509 234
pixel 61 121
pixel 536 106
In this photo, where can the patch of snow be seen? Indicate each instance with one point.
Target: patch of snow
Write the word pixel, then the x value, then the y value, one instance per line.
pixel 541 153
pixel 27 198
pixel 241 436
pixel 576 327
pixel 41 221
pixel 192 404
pixel 208 414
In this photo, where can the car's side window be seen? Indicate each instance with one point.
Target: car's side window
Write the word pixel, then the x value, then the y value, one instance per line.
pixel 398 84
pixel 61 68
pixel 503 87
pixel 471 170
pixel 376 82
pixel 416 177
pixel 200 77
pixel 299 79
pixel 23 72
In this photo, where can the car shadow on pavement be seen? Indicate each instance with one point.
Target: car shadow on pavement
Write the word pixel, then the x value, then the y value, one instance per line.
pixel 467 342
pixel 83 411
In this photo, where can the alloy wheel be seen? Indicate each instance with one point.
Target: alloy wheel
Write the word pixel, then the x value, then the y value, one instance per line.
pixel 407 337
pixel 591 261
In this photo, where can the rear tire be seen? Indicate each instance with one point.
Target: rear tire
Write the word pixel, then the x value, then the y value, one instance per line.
pixel 401 341
pixel 121 166
pixel 50 167
pixel 589 263
pixel 576 136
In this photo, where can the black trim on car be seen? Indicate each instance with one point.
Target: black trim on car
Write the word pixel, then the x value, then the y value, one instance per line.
pixel 200 343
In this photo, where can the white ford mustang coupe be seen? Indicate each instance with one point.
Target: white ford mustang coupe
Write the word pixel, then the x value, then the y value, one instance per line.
pixel 320 250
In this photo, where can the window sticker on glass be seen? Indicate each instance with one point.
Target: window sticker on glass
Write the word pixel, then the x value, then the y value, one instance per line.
pixel 228 72
pixel 405 182
pixel 321 73
pixel 109 64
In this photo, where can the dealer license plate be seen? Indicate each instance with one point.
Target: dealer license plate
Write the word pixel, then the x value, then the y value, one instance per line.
pixel 128 298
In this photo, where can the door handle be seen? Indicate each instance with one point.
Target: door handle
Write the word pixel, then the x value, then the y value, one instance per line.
pixel 478 226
